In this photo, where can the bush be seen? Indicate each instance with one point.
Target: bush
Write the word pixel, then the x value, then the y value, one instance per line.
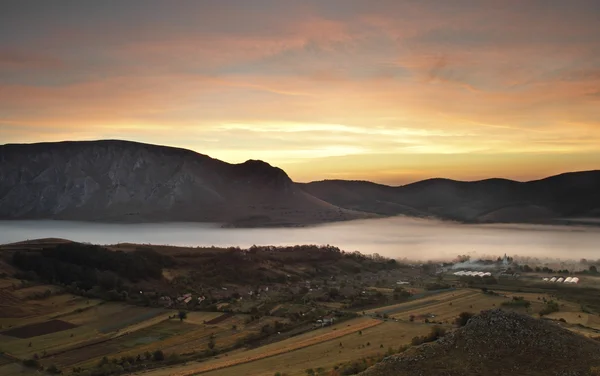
pixel 436 286
pixel 31 363
pixel 464 318
pixel 518 302
pixel 53 370
pixel 158 356
pixel 436 333
pixel 551 307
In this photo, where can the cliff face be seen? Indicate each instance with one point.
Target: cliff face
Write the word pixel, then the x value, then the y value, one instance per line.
pixel 126 181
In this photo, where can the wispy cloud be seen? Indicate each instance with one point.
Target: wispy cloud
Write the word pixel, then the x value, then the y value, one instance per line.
pixel 295 81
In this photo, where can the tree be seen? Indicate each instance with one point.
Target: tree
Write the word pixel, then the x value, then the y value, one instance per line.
pixel 463 318
pixel 158 356
pixel 593 269
pixel 53 370
pixel 310 372
pixel 211 343
pixel 31 363
pixel 182 315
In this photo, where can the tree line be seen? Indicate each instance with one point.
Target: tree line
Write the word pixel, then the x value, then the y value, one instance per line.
pixel 87 266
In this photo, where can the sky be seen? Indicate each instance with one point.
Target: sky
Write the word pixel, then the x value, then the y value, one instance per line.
pixel 390 91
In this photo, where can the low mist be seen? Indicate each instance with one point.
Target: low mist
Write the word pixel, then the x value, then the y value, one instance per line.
pixel 397 237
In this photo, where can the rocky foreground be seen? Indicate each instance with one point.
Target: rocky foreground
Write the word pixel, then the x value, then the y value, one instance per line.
pixel 498 343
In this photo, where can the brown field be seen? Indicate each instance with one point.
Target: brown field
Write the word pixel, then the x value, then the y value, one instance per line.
pixel 445 296
pixel 33 311
pixel 110 317
pixel 168 335
pixel 219 319
pixel 28 292
pixel 39 329
pixel 50 343
pixel 201 317
pixel 329 353
pixel 285 346
pixel 138 340
pixel 5 360
pixel 16 369
pixel 8 283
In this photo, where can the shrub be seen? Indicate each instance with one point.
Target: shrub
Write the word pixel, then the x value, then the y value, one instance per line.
pixel 158 356
pixel 31 363
pixel 436 333
pixel 53 370
pixel 463 318
pixel 436 286
pixel 518 302
pixel 551 306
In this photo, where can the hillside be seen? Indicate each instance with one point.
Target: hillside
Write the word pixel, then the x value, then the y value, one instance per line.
pixel 120 181
pixel 127 181
pixel 498 343
pixel 492 200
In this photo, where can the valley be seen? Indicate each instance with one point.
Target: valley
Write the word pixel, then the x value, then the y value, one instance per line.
pixel 290 310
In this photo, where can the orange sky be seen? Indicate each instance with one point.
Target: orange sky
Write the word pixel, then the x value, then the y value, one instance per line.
pixel 389 91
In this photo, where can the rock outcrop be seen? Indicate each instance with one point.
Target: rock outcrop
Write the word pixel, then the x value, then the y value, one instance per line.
pixel 127 181
pixel 498 343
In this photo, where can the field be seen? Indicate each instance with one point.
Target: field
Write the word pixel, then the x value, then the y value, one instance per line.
pixel 72 331
pixel 373 341
pixel 278 331
pixel 39 329
pixel 292 344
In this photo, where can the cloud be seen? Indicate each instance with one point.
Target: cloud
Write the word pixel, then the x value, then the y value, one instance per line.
pixel 291 81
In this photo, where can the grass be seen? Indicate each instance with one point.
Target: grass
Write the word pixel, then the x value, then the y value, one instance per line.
pixel 200 317
pixel 50 342
pixel 449 309
pixel 16 369
pixel 33 311
pixel 406 306
pixel 274 349
pixel 27 292
pixel 328 354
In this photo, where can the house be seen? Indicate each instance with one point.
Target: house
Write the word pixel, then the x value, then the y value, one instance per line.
pixel 328 320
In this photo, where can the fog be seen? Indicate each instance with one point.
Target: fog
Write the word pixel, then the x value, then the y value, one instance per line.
pixel 393 237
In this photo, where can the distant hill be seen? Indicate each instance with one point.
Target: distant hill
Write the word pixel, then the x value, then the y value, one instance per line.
pixel 498 343
pixel 493 200
pixel 134 182
pixel 121 181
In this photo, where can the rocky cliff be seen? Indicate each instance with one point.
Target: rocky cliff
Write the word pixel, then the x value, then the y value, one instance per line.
pixel 127 181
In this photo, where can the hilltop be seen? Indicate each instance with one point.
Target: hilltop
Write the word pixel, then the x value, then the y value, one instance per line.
pixel 121 181
pixel 498 343
pixel 492 200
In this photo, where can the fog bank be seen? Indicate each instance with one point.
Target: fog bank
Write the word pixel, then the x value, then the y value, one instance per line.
pixel 393 237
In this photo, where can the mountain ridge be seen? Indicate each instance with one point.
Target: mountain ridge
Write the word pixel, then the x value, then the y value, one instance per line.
pixel 116 180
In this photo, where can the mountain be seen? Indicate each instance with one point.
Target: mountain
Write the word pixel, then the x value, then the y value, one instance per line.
pixel 498 343
pixel 493 200
pixel 128 181
pixel 134 182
